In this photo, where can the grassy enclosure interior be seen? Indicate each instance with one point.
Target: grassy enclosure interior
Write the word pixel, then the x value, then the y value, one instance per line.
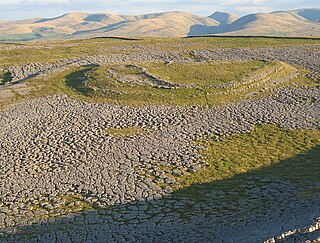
pixel 209 83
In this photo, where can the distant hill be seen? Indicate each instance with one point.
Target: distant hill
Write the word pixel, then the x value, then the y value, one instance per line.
pixel 160 24
pixel 82 25
pixel 273 24
pixel 309 14
pixel 300 22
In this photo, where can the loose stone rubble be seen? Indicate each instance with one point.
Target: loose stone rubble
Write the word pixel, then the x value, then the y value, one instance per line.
pixel 64 178
pixel 144 78
pixel 299 235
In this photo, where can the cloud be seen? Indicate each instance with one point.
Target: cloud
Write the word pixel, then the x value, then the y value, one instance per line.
pixel 23 2
pixel 253 9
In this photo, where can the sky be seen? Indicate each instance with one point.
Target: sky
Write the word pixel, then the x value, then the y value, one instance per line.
pixel 24 9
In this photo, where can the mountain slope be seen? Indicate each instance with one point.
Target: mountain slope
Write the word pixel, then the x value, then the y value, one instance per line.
pixel 161 24
pixel 300 22
pixel 105 24
pixel 273 24
pixel 312 14
pixel 66 24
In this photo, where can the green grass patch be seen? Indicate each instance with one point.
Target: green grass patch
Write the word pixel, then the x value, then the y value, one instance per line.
pixel 267 150
pixel 205 73
pixel 126 132
pixel 19 37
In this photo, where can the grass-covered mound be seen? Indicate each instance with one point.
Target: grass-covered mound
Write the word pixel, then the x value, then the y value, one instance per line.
pixel 209 83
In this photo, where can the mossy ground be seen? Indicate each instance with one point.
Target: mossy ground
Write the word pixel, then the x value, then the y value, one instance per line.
pixel 268 150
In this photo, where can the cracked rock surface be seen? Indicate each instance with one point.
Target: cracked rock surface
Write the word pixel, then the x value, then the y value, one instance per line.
pixel 55 147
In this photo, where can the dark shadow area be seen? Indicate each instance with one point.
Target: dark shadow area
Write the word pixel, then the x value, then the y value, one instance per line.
pixel 6 77
pixel 236 25
pixel 200 30
pixel 96 17
pixel 76 80
pixel 241 23
pixel 310 14
pixel 178 217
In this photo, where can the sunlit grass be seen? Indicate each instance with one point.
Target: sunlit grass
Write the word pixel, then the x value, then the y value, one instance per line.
pixel 126 132
pixel 267 150
pixel 206 73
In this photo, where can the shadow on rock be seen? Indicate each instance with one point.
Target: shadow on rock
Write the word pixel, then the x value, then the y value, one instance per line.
pixel 249 207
